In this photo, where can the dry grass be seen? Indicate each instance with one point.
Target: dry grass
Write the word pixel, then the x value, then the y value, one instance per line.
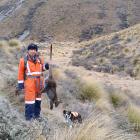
pixel 102 60
pixel 134 116
pixel 98 126
pixel 126 50
pixel 136 60
pixel 111 53
pixel 11 47
pixel 14 43
pixel 89 89
pixel 117 99
pixel 136 71
pixel 2 44
pixel 125 34
pixel 57 73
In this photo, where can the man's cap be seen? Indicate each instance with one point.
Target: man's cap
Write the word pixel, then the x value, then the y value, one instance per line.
pixel 32 47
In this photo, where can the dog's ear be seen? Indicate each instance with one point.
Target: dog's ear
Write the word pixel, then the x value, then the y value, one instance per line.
pixel 64 111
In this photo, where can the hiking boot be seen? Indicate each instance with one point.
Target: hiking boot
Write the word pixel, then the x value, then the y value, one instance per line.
pixel 40 119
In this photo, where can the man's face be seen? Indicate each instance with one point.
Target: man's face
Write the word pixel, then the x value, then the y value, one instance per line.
pixel 32 52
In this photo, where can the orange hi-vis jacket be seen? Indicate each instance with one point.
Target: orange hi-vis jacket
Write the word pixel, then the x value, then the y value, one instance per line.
pixel 33 82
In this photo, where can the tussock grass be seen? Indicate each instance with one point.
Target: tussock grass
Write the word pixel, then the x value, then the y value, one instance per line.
pixel 126 50
pixel 14 43
pixel 89 89
pixel 56 73
pixel 98 126
pixel 136 71
pixel 134 116
pixel 11 46
pixel 102 60
pixel 116 99
pixel 11 49
pixel 3 44
pixel 136 60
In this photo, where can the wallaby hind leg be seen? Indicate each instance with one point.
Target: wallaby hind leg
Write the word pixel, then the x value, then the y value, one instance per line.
pixel 51 104
pixel 56 103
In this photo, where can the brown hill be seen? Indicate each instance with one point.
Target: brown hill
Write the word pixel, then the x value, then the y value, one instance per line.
pixel 66 19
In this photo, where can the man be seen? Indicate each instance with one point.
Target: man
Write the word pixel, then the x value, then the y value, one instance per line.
pixel 29 79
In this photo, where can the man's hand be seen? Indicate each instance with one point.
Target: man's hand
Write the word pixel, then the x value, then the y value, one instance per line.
pixel 46 66
pixel 20 86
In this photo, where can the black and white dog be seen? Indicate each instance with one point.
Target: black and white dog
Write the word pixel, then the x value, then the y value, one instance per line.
pixel 72 117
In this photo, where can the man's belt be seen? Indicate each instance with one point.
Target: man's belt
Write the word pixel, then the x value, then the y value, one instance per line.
pixel 31 76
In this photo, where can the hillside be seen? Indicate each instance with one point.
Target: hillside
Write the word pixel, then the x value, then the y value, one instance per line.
pixel 65 19
pixel 96 65
pixel 109 103
pixel 115 53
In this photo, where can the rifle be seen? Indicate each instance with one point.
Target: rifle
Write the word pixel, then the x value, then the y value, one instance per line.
pixel 50 72
pixel 50 66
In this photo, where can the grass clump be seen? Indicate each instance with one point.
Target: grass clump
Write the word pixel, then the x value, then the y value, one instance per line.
pixel 116 100
pixel 126 50
pixel 134 117
pixel 14 43
pixel 136 72
pixel 57 74
pixel 89 90
pixel 102 61
pixel 136 60
pixel 2 44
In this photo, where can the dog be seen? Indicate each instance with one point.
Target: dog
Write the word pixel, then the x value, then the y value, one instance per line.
pixel 72 117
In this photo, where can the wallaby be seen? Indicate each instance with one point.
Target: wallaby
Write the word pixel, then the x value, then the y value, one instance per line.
pixel 50 86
